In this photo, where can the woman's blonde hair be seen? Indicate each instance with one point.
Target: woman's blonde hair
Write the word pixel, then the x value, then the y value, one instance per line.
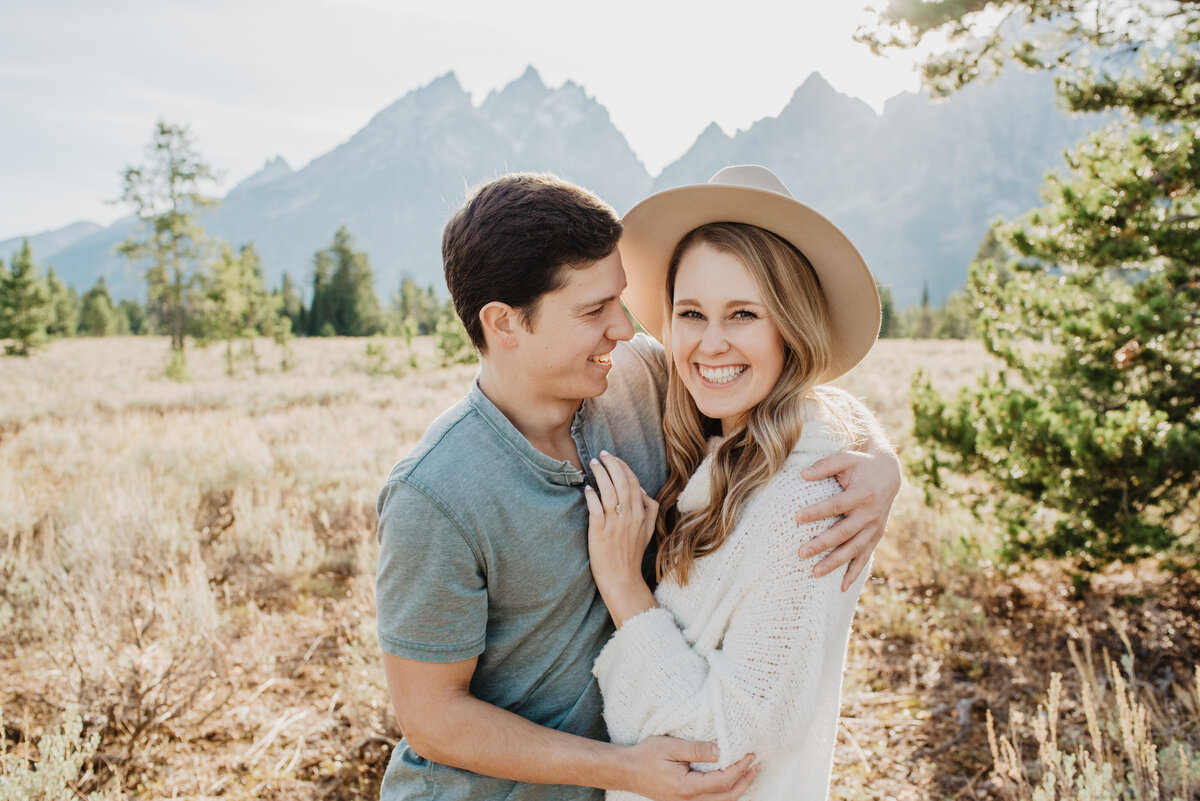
pixel 749 457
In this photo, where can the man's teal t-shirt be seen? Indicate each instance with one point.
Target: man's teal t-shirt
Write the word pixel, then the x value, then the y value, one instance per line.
pixel 483 552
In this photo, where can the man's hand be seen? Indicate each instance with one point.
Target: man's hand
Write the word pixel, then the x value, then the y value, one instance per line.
pixel 444 723
pixel 870 482
pixel 660 769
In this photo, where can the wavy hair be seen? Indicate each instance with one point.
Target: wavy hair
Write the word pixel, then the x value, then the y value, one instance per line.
pixel 750 456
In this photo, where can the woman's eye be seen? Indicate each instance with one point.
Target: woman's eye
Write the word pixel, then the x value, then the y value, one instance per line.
pixel 689 314
pixel 595 312
pixel 744 314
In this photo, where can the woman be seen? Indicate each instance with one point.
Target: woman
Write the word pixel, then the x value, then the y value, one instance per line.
pixel 759 301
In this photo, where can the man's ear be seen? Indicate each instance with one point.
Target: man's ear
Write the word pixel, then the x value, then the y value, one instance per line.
pixel 499 322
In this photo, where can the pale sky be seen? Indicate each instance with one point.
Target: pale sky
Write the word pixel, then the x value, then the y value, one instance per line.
pixel 82 82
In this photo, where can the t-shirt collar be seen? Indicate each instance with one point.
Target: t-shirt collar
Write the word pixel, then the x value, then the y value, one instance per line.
pixel 556 471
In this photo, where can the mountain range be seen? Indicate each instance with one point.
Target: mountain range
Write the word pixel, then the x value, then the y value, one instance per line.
pixel 914 187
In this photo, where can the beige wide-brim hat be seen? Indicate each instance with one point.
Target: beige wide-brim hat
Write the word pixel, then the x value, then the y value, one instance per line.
pixel 754 195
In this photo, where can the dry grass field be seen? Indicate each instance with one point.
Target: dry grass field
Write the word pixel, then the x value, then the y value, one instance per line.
pixel 190 567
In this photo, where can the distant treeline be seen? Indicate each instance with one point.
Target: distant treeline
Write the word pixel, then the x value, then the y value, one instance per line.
pixel 954 319
pixel 229 301
pixel 35 305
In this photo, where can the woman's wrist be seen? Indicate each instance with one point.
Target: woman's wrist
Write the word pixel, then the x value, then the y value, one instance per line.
pixel 626 597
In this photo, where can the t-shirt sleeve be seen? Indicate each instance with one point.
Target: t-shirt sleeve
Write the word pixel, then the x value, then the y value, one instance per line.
pixel 430 589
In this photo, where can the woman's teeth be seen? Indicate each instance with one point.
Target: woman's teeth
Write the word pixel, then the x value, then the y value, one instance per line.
pixel 721 375
pixel 603 358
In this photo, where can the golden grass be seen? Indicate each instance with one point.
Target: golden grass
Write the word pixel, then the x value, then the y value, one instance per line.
pixel 192 565
pixel 170 551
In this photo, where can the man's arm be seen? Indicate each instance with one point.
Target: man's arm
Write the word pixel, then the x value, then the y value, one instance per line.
pixel 444 723
pixel 870 478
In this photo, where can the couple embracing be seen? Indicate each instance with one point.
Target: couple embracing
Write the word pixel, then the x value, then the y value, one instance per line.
pixel 623 565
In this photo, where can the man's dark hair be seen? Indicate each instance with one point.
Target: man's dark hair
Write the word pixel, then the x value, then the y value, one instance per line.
pixel 512 238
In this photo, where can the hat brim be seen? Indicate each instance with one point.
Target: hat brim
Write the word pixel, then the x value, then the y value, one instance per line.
pixel 656 225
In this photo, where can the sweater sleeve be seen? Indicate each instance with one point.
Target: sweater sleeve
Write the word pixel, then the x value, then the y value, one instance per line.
pixel 753 691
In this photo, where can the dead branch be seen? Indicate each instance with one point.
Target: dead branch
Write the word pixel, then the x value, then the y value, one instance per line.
pixel 962 713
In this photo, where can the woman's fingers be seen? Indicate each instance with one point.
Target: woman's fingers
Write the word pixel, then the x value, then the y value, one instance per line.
pixel 619 473
pixel 627 489
pixel 595 509
pixel 604 486
pixel 621 495
pixel 648 522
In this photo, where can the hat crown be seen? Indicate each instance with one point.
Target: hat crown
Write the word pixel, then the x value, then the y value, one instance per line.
pixel 751 176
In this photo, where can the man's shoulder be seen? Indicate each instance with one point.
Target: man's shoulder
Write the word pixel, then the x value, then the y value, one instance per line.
pixel 448 440
pixel 645 350
pixel 639 365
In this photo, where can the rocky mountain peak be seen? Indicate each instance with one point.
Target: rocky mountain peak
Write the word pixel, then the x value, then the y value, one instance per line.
pixel 271 170
pixel 817 96
pixel 441 96
pixel 442 85
pixel 524 92
pixel 530 78
pixel 713 133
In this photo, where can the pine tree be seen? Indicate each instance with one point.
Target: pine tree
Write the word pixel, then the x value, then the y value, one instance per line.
pixel 98 317
pixel 166 195
pixel 888 323
pixel 357 310
pixel 453 344
pixel 955 318
pixel 320 312
pixel 924 328
pixel 283 337
pixel 289 304
pixel 65 306
pixel 25 310
pixel 262 313
pixel 1092 429
pixel 416 305
pixel 134 314
pixel 344 298
pixel 1103 52
pixel 234 303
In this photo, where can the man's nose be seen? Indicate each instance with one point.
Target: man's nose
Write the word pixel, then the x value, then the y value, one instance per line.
pixel 621 328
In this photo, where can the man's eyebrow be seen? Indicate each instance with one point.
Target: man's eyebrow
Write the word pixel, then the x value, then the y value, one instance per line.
pixel 591 304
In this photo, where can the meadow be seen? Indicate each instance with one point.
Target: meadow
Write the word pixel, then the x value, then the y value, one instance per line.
pixel 187 572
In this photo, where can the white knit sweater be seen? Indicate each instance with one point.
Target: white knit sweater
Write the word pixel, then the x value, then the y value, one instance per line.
pixel 749 654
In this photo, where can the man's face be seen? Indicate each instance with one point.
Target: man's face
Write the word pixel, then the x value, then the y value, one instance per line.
pixel 566 350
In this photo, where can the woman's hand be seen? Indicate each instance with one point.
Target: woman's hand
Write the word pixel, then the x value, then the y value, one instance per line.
pixel 621 520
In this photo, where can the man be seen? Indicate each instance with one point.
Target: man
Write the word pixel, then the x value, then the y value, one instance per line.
pixel 488 616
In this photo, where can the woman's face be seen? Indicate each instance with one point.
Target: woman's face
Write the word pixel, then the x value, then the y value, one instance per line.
pixel 726 348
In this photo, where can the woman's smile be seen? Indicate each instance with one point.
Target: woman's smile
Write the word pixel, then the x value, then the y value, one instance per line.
pixel 721 375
